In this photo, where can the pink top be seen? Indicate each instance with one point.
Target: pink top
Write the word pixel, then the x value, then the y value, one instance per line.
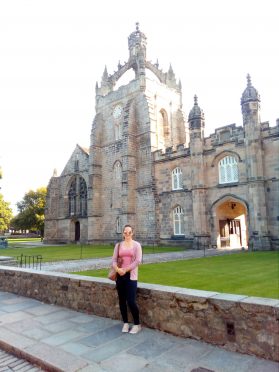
pixel 130 258
pixel 126 255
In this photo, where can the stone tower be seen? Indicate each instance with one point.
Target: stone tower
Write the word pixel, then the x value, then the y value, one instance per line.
pixel 250 105
pixel 196 129
pixel 130 123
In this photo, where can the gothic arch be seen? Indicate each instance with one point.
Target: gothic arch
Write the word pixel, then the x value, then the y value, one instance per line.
pixel 163 129
pixel 122 69
pixel 76 196
pixel 228 197
pixel 224 153
pixel 229 220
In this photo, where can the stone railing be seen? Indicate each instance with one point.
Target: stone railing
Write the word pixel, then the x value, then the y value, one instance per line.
pixel 238 323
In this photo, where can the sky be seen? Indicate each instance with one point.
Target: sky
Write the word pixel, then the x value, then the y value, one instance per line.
pixel 53 52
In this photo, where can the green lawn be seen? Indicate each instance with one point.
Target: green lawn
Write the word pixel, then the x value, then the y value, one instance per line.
pixel 72 251
pixel 246 273
pixel 20 240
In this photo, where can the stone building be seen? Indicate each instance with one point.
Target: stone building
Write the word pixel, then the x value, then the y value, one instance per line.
pixel 151 166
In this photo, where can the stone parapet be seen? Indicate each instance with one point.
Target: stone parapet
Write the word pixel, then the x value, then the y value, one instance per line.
pixel 238 323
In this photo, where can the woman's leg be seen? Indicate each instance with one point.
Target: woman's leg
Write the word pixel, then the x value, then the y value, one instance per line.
pixel 131 299
pixel 121 290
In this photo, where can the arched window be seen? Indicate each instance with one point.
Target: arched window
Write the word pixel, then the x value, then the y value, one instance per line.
pixel 117 171
pixel 118 225
pixel 178 221
pixel 177 179
pixel 164 130
pixel 82 197
pixel 72 198
pixel 77 197
pixel 116 189
pixel 228 170
pixel 118 130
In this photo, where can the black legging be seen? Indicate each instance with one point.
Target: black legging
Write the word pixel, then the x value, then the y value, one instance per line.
pixel 127 290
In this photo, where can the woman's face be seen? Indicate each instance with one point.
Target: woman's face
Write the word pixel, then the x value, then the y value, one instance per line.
pixel 127 232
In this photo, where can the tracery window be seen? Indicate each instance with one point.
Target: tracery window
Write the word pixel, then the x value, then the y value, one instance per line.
pixel 178 221
pixel 228 170
pixel 77 197
pixel 177 179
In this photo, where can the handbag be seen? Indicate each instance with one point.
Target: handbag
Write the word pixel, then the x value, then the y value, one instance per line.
pixel 112 275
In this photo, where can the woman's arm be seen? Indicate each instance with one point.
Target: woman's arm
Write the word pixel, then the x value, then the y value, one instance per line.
pixel 115 256
pixel 138 258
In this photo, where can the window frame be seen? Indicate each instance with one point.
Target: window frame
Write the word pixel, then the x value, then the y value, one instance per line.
pixel 178 221
pixel 228 170
pixel 176 179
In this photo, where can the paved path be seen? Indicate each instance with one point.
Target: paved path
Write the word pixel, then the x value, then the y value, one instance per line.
pixel 60 339
pixel 10 363
pixel 99 263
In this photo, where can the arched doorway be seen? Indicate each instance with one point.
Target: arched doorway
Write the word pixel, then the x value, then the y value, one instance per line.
pixel 77 231
pixel 230 223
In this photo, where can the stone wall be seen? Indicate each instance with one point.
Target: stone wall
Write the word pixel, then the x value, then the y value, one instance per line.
pixel 238 323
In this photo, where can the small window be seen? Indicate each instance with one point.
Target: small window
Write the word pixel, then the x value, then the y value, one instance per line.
pixel 178 221
pixel 177 179
pixel 76 165
pixel 228 170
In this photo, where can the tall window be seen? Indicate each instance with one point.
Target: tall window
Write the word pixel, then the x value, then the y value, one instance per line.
pixel 118 130
pixel 116 185
pixel 118 225
pixel 117 171
pixel 228 170
pixel 72 198
pixel 163 130
pixel 178 221
pixel 82 197
pixel 77 196
pixel 177 179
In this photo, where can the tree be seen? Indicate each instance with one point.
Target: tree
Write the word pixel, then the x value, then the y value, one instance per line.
pixel 6 214
pixel 31 211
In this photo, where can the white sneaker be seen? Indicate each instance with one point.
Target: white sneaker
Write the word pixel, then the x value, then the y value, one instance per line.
pixel 125 328
pixel 135 329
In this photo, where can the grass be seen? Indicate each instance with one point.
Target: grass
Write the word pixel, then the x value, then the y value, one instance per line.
pixel 247 273
pixel 72 251
pixel 16 240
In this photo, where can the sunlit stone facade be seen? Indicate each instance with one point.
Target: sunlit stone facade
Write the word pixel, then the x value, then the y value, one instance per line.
pixel 150 165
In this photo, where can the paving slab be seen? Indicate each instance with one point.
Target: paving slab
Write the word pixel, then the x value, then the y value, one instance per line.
pixel 10 363
pixel 60 339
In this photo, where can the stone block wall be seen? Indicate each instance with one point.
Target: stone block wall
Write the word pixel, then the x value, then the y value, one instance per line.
pixel 238 323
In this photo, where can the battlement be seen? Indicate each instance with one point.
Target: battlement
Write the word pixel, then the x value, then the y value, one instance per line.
pixel 227 133
pixel 171 153
pixel 270 131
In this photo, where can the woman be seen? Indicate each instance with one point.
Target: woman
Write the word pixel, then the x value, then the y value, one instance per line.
pixel 129 253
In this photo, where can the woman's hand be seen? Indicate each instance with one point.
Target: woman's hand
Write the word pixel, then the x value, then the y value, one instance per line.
pixel 121 271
